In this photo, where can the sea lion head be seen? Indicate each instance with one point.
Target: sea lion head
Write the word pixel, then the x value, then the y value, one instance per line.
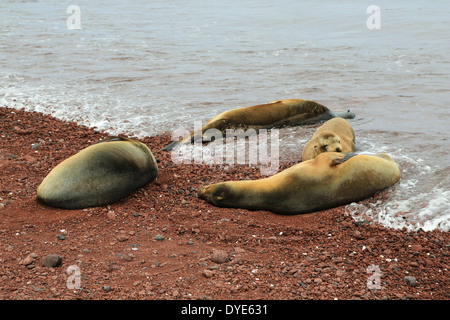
pixel 327 142
pixel 217 194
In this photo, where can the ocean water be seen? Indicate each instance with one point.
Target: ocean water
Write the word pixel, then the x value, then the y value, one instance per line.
pixel 144 67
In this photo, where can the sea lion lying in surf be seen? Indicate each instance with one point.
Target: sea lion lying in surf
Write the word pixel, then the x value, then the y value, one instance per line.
pixel 99 174
pixel 279 113
pixel 331 179
pixel 334 135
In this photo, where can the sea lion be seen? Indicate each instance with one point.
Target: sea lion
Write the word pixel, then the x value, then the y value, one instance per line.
pixel 278 113
pixel 334 135
pixel 331 179
pixel 99 174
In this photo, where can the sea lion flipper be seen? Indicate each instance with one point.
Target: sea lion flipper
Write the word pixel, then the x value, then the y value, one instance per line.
pixel 170 146
pixel 336 160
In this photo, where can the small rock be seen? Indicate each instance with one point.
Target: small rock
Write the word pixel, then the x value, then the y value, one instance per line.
pixel 219 256
pixel 28 260
pixel 112 267
pixel 52 260
pixel 127 257
pixel 37 289
pixel 159 237
pixel 111 215
pixel 411 281
pixel 61 237
pixel 10 156
pixel 122 238
pixel 207 273
pixel 318 280
pixel 107 288
pixel 358 235
pixel 19 130
pixel 29 158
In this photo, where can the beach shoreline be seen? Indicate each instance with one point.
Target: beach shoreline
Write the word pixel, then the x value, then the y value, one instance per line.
pixel 163 242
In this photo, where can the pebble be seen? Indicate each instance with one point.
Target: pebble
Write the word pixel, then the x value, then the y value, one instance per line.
pixel 411 281
pixel 219 256
pixel 207 273
pixel 122 238
pixel 10 156
pixel 37 289
pixel 61 237
pixel 159 237
pixel 111 215
pixel 51 260
pixel 358 235
pixel 28 260
pixel 107 288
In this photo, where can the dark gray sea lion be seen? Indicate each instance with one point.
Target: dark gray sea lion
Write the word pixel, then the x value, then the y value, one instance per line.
pixel 99 175
pixel 329 180
pixel 279 113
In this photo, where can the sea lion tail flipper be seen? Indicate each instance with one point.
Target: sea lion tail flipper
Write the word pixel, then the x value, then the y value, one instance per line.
pixel 170 146
pixel 347 114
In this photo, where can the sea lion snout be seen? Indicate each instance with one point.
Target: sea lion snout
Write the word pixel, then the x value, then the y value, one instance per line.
pixel 202 193
pixel 215 193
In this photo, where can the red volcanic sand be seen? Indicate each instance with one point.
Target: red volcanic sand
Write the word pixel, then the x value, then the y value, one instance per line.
pixel 203 252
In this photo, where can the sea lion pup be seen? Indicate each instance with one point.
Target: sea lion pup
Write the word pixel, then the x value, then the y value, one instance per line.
pixel 99 174
pixel 331 179
pixel 334 135
pixel 278 113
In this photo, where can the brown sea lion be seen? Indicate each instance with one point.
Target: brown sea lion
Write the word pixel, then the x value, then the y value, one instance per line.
pixel 99 174
pixel 335 135
pixel 331 179
pixel 279 113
